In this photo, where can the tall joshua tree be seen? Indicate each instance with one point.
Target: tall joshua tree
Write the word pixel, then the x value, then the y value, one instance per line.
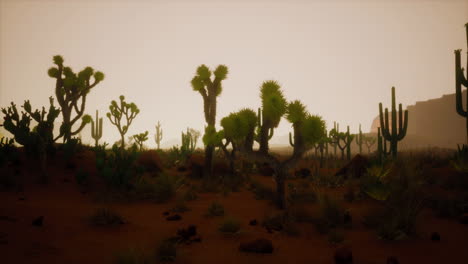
pixel 393 134
pixel 117 112
pixel 71 90
pixel 461 80
pixel 308 129
pixel 96 129
pixel 209 89
pixel 158 136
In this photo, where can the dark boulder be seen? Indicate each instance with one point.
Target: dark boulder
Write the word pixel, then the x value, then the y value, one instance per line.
pixel 435 236
pixel 261 246
pixel 175 217
pixel 38 221
pixel 392 260
pixel 343 255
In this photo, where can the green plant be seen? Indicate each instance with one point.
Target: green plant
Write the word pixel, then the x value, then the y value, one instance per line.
pixel 345 138
pixel 209 90
pixel 460 161
pixel 140 139
pixel 158 136
pixel 262 192
pixel 190 194
pixel 335 237
pixel 8 151
pixel 167 250
pixel 106 217
pixel 461 80
pixel 132 256
pixel 70 88
pixel 330 211
pixel 180 206
pixel 215 209
pixel 391 132
pixel 229 225
pixel 71 147
pixel 96 129
pixel 117 112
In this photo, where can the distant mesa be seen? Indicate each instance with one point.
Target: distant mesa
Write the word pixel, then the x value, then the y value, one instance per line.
pixel 434 122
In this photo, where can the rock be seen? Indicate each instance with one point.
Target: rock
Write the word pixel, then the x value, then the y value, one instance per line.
pixel 435 236
pixel 187 233
pixel 38 221
pixel 21 198
pixel 343 255
pixel 150 161
pixel 392 260
pixel 464 219
pixel 356 167
pixel 166 213
pixel 302 173
pixel 347 218
pixel 253 222
pixel 261 246
pixel 197 239
pixel 175 217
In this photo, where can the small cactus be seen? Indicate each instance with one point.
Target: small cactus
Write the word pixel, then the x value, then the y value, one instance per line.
pixel 159 135
pixel 96 129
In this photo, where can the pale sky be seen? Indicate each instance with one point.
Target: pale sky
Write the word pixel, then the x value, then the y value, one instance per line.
pixel 340 58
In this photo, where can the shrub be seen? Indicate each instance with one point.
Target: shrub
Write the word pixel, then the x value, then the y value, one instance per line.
pixel 230 225
pixel 215 209
pixel 335 237
pixel 262 192
pixel 180 207
pixel 159 189
pixel 190 194
pixel 106 217
pixel 330 211
pixel 81 176
pixel 131 256
pixel 167 251
pixel 300 194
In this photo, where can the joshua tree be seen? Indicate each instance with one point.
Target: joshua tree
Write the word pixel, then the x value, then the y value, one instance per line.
pixel 71 90
pixel 307 129
pixel 209 90
pixel 261 129
pixel 369 141
pixel 358 140
pixel 96 129
pixel 189 140
pixel 159 135
pixel 461 80
pixel 117 111
pixel 393 134
pixel 40 139
pixel 140 139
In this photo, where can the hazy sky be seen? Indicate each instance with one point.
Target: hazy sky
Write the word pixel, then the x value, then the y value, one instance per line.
pixel 339 57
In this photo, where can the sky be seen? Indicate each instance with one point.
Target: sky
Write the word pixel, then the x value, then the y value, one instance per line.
pixel 340 58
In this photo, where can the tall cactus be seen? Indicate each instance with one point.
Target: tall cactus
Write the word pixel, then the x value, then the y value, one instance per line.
pixel 96 129
pixel 346 138
pixel 158 136
pixel 393 134
pixel 259 128
pixel 461 80
pixel 382 151
pixel 359 139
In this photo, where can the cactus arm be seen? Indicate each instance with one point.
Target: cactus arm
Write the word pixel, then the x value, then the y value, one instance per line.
pixel 291 140
pixel 458 86
pixel 270 134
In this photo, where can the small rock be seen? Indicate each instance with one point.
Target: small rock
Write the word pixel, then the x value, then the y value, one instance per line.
pixel 187 233
pixel 197 239
pixel 435 236
pixel 392 260
pixel 343 255
pixel 347 218
pixel 262 246
pixel 166 213
pixel 21 198
pixel 175 217
pixel 38 221
pixel 464 219
pixel 253 222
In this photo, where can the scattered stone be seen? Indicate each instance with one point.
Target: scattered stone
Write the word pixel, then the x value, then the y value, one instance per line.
pixel 197 239
pixel 166 213
pixel 38 221
pixel 253 222
pixel 464 219
pixel 392 260
pixel 261 246
pixel 187 233
pixel 175 217
pixel 343 255
pixel 435 236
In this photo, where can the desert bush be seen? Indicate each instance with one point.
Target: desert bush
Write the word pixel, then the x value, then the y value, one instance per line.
pixel 328 180
pixel 284 222
pixel 335 237
pixel 166 251
pixel 330 211
pixel 215 209
pixel 230 225
pixel 190 194
pixel 132 256
pixel 300 194
pixel 262 192
pixel 8 151
pixel 106 217
pixel 70 148
pixel 180 206
pixel 160 189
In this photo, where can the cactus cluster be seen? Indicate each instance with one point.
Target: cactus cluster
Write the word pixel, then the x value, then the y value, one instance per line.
pixel 392 132
pixel 461 80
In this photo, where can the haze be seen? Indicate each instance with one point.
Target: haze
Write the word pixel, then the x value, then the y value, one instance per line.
pixel 340 58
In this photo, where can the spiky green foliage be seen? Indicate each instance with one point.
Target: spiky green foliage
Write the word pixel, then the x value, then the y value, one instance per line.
pixel 140 139
pixel 96 129
pixel 158 136
pixel 71 90
pixel 391 132
pixel 209 89
pixel 461 80
pixel 122 110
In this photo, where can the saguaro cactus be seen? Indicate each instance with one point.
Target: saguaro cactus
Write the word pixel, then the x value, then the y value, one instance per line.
pixel 96 129
pixel 158 136
pixel 359 139
pixel 461 80
pixel 381 147
pixel 70 88
pixel 209 90
pixel 340 137
pixel 117 111
pixel 393 134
